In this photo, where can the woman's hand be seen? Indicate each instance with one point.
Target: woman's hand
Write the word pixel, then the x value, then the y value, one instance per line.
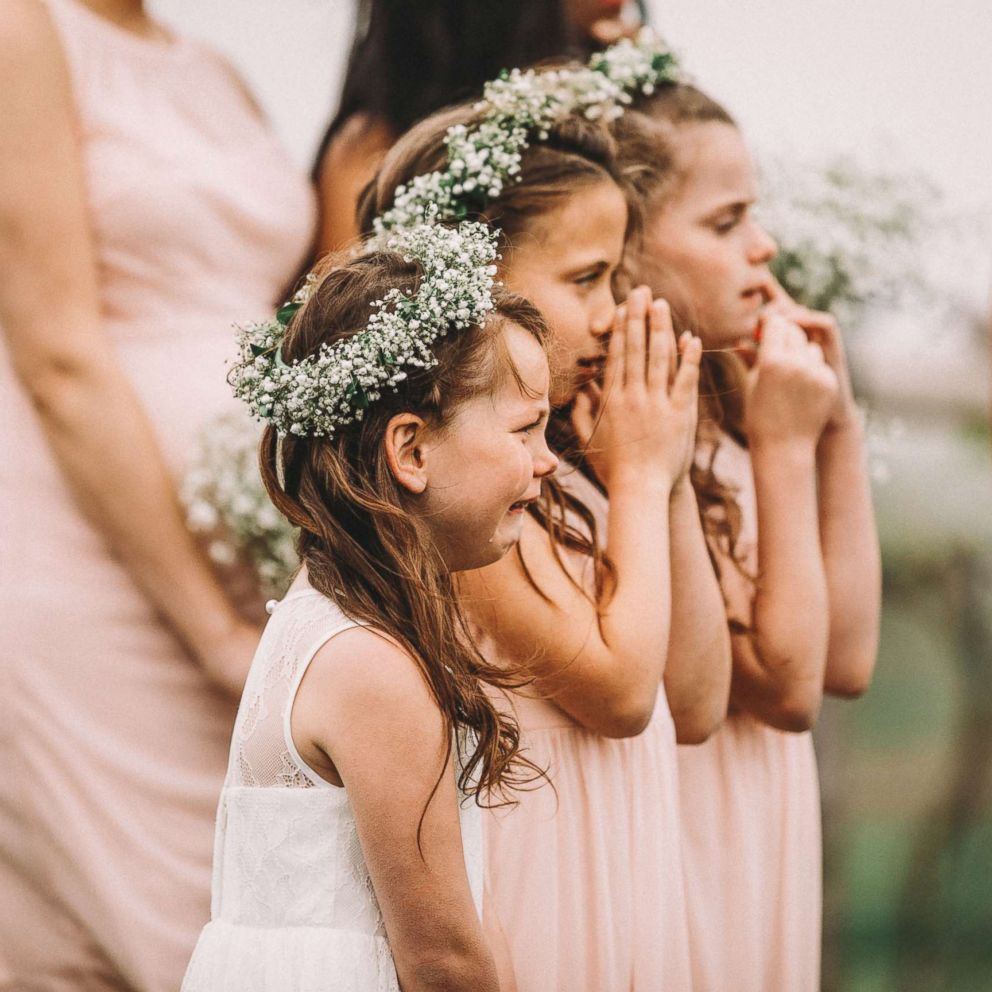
pixel 791 392
pixel 99 434
pixel 642 421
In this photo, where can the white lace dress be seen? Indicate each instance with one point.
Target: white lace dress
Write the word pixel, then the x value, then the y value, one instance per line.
pixel 293 909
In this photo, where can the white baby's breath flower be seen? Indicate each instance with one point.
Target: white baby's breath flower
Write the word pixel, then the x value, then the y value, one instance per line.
pixel 336 385
pixel 848 238
pixel 226 502
pixel 517 108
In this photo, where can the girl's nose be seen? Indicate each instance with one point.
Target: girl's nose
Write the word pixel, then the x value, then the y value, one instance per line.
pixel 602 318
pixel 545 460
pixel 763 247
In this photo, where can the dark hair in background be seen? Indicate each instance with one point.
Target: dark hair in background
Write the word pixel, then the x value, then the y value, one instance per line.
pixel 648 153
pixel 362 546
pixel 409 59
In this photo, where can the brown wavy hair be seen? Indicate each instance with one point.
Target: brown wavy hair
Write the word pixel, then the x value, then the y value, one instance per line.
pixel 363 544
pixel 648 141
pixel 576 154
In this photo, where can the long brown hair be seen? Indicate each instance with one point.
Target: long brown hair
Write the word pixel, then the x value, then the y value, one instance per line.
pixel 575 154
pixel 648 142
pixel 360 542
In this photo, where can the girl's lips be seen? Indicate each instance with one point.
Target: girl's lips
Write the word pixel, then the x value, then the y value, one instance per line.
pixel 522 504
pixel 587 369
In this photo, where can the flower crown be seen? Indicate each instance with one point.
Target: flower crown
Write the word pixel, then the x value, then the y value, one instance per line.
pixel 517 107
pixel 334 386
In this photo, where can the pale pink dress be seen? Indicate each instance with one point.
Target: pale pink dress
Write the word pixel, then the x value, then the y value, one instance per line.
pixel 113 746
pixel 751 836
pixel 584 890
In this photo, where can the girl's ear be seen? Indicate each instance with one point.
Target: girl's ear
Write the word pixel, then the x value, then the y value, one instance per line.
pixel 404 442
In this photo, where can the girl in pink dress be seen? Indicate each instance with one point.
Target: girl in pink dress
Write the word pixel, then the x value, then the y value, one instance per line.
pixel 783 489
pixel 145 207
pixel 578 875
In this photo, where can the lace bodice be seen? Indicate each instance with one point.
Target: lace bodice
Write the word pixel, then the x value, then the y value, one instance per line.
pixel 287 858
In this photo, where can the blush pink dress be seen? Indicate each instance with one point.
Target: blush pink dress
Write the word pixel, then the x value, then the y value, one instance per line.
pixel 113 745
pixel 584 889
pixel 750 807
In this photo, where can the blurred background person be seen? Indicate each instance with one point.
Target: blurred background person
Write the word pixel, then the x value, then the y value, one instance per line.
pixel 144 208
pixel 408 60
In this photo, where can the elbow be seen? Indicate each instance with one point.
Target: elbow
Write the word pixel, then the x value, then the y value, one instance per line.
pixel 49 380
pixel 850 677
pixel 697 721
pixel 796 711
pixel 697 727
pixel 451 970
pixel 848 685
pixel 627 717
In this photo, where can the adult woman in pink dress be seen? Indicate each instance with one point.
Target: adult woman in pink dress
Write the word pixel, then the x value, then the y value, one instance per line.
pixel 144 208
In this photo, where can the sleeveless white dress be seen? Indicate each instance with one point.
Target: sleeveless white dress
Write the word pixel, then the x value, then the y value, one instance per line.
pixel 292 906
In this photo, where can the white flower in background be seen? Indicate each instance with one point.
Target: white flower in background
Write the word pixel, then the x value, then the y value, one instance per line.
pixel 227 504
pixel 849 239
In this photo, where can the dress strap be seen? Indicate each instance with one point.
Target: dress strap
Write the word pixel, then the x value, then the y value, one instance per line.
pixel 337 624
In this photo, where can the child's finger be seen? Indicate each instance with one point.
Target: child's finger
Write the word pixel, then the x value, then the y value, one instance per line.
pixel 637 329
pixel 686 385
pixel 583 419
pixel 613 366
pixel 660 345
pixel 815 353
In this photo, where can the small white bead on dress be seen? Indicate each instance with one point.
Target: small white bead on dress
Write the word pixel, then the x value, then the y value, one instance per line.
pixel 271 605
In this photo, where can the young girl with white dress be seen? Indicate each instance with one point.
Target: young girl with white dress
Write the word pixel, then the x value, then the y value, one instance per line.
pixel 348 847
pixel 578 876
pixel 782 483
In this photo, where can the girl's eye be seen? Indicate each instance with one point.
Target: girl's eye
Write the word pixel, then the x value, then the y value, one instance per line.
pixel 529 429
pixel 726 226
pixel 589 278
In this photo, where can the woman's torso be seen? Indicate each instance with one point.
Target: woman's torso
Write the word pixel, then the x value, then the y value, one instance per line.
pixel 198 220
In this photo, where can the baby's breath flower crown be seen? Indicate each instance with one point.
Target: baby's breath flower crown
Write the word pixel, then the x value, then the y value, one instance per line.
pixel 334 386
pixel 517 108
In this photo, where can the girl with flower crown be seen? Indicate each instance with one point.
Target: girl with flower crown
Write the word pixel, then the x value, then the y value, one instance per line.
pixel 406 403
pixel 578 876
pixel 780 452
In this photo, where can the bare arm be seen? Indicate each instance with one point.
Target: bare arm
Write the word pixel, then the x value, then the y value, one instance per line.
pixel 99 435
pixel 779 664
pixel 848 534
pixel 852 560
pixel 603 663
pixel 697 676
pixel 364 703
pixel 350 161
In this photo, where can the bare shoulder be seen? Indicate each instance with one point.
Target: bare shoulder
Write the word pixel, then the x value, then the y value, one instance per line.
pixel 363 676
pixel 30 49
